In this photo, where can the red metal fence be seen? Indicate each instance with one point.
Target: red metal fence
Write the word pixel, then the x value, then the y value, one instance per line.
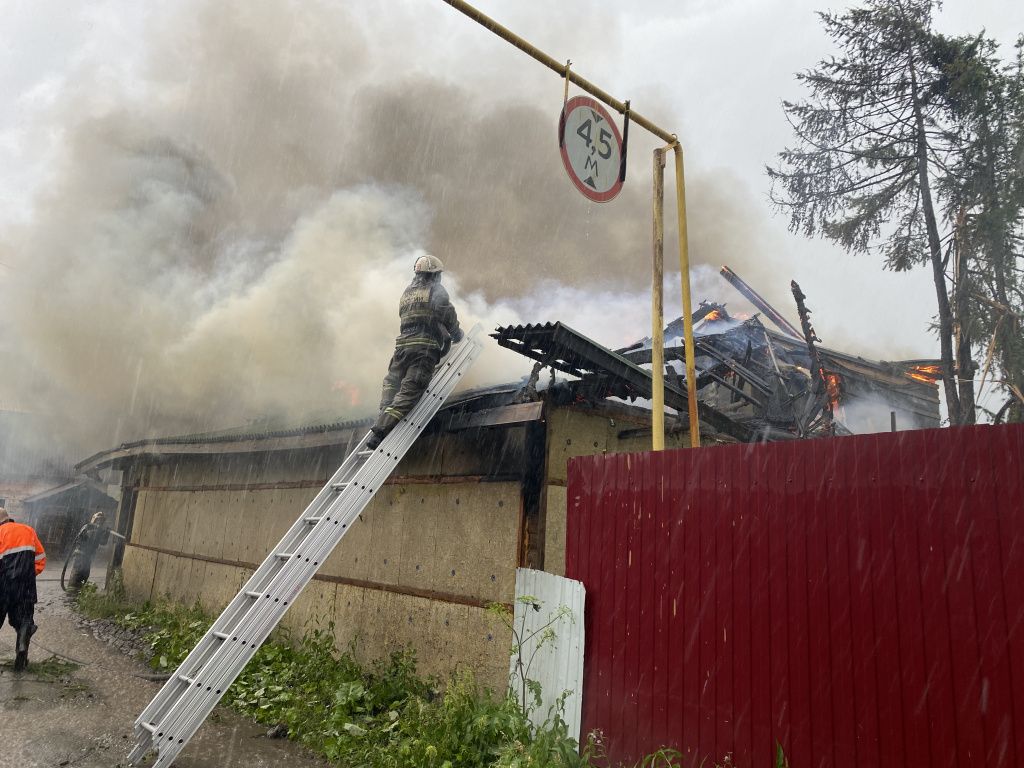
pixel 859 600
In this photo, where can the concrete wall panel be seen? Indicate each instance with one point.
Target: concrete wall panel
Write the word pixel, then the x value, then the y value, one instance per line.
pixel 424 458
pixel 485 452
pixel 349 616
pixel 314 608
pixel 573 433
pixel 554 529
pixel 351 557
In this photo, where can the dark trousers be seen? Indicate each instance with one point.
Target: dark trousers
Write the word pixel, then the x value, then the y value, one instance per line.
pixel 17 613
pixel 81 565
pixel 409 374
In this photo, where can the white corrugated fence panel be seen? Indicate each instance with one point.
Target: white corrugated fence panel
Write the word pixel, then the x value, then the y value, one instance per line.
pixel 550 627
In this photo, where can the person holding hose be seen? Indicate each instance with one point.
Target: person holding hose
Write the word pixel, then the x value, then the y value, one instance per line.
pixel 429 326
pixel 22 558
pixel 91 537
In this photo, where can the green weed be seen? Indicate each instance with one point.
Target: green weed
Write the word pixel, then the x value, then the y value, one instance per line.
pixel 381 716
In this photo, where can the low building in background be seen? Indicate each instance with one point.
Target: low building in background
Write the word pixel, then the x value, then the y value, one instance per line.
pixel 58 513
pixel 31 460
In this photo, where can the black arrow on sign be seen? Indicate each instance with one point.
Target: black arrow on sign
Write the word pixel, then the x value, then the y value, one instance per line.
pixel 590 180
pixel 597 117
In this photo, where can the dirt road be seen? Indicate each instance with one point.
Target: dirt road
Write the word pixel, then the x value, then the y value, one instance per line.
pixel 79 714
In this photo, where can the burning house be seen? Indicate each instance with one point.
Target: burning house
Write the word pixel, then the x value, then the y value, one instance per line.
pixel 483 491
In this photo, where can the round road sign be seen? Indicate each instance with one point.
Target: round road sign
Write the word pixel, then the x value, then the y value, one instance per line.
pixel 591 148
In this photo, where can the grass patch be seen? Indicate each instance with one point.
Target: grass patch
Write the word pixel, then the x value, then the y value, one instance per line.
pixel 107 604
pixel 48 670
pixel 381 716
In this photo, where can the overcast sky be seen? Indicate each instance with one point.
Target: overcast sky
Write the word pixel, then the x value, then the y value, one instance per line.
pixel 714 71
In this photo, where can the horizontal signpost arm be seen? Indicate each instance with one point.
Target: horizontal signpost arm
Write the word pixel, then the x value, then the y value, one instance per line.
pixel 504 32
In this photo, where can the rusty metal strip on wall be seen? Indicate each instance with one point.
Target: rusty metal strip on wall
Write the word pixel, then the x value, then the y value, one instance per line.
pixel 427 594
pixel 318 484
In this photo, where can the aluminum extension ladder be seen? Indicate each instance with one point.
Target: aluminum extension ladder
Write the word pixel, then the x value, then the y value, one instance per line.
pixel 188 697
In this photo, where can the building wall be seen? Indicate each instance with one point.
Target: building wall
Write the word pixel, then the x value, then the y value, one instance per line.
pixel 12 491
pixel 438 543
pixel 580 432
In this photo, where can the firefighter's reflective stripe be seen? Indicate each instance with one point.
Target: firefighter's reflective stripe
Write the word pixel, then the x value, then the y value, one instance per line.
pixel 13 550
pixel 416 341
pixel 41 556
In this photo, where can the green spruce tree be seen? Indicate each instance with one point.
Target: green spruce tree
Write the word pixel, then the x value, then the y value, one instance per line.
pixel 872 140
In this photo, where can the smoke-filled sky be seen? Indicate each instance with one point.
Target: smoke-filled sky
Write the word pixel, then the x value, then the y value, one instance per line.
pixel 207 212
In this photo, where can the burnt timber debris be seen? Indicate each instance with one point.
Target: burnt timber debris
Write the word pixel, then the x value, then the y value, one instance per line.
pixel 756 299
pixel 753 383
pixel 602 373
pixel 822 384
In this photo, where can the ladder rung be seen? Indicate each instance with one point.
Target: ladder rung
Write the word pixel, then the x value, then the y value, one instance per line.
pixel 175 713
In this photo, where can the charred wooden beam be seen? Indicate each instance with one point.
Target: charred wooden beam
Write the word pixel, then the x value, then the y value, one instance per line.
pixel 756 299
pixel 819 378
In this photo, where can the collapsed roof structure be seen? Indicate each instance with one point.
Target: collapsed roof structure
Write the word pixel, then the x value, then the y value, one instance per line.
pixel 753 383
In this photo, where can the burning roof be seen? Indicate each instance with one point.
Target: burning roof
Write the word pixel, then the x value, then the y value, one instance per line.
pixel 752 382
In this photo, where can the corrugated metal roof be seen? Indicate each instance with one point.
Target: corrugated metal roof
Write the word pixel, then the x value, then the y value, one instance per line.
pixel 611 374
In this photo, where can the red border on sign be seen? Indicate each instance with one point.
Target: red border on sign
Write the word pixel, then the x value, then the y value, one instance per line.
pixel 570 105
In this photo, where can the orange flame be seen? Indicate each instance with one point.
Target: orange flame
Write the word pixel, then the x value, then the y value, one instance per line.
pixel 713 315
pixel 348 389
pixel 833 387
pixel 928 373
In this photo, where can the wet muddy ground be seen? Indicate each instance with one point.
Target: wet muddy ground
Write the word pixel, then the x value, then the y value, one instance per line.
pixel 76 703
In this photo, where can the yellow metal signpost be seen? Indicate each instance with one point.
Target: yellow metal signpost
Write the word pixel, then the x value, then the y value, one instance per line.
pixel 657 311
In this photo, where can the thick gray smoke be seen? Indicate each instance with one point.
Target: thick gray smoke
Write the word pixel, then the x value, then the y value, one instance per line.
pixel 225 239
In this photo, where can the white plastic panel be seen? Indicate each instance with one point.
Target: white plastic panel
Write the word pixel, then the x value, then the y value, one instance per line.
pixel 557 664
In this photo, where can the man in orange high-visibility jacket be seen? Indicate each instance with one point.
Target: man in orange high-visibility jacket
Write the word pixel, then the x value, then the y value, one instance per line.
pixel 21 559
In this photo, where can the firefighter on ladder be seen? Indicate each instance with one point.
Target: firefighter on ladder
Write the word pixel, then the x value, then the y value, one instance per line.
pixel 21 559
pixel 429 326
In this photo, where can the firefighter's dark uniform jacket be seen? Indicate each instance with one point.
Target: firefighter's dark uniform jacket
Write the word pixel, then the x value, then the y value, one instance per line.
pixel 22 558
pixel 429 325
pixel 427 316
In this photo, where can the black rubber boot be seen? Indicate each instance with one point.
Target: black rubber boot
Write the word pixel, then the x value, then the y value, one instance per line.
pixel 25 632
pixel 385 423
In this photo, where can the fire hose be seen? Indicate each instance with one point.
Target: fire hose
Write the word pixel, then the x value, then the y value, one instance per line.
pixel 74 549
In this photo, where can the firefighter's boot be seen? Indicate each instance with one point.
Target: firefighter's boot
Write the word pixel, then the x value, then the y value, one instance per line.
pixel 385 423
pixel 25 632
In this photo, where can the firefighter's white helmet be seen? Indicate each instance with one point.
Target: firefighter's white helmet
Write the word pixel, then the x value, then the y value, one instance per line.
pixel 428 263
